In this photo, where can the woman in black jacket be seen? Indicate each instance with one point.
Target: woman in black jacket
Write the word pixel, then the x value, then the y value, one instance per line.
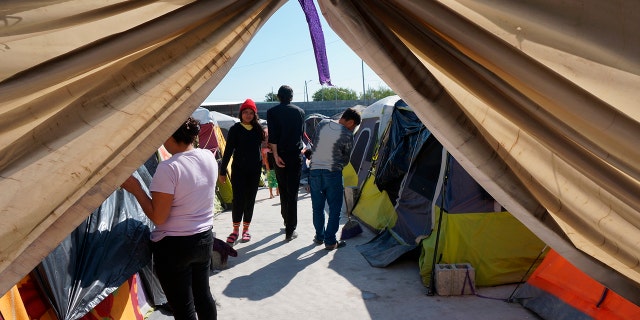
pixel 244 141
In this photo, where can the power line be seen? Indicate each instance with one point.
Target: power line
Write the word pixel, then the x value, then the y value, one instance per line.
pixel 277 58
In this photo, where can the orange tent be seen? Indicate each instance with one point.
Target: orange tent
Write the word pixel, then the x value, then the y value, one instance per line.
pixel 559 290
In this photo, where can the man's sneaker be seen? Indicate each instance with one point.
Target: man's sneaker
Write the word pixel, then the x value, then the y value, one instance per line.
pixel 339 244
pixel 317 241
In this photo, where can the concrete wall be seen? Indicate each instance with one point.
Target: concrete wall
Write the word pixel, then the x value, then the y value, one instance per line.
pixel 327 108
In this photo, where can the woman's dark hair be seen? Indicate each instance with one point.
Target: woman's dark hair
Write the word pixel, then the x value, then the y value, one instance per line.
pixel 256 126
pixel 188 131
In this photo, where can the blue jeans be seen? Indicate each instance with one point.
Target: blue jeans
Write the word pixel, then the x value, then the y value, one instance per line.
pixel 182 266
pixel 326 186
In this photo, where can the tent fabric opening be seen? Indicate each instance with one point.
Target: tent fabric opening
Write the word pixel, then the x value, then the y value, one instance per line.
pixel 540 109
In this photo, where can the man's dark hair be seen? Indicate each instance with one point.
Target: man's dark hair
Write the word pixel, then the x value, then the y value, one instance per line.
pixel 352 114
pixel 285 94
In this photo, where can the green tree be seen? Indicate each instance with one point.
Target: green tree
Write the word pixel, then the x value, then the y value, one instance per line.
pixel 334 93
pixel 377 94
pixel 271 97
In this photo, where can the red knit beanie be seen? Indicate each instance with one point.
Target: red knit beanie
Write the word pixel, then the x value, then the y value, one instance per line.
pixel 249 104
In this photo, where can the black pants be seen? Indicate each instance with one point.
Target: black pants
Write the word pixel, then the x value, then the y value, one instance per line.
pixel 182 266
pixel 244 182
pixel 289 184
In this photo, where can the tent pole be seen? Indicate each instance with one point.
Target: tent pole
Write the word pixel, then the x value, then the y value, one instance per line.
pixel 510 299
pixel 432 281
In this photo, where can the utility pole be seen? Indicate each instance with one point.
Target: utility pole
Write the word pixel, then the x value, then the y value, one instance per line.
pixel 364 93
pixel 306 91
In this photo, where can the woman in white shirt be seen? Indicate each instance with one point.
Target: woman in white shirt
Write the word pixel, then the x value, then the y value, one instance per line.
pixel 181 208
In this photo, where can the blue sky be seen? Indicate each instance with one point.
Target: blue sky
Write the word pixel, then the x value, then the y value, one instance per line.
pixel 281 53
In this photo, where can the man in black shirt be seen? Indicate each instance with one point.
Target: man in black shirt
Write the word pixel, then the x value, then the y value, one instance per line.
pixel 286 126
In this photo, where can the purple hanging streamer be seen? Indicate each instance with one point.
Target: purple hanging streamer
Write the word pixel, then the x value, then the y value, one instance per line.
pixel 317 39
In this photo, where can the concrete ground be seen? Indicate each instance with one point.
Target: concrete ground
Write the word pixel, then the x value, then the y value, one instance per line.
pixel 274 279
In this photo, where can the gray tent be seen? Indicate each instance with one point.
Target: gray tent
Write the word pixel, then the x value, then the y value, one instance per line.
pixel 420 198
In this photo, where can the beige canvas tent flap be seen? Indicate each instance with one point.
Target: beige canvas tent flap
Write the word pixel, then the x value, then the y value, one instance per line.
pixel 89 90
pixel 532 122
pixel 536 99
